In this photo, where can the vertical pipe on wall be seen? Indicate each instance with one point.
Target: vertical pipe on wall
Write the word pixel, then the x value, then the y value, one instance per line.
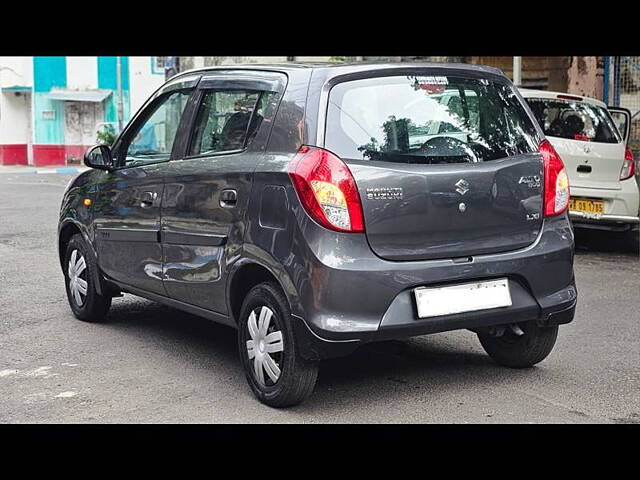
pixel 616 81
pixel 517 71
pixel 119 90
pixel 605 86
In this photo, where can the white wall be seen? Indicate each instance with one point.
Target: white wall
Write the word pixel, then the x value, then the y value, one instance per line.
pixel 270 59
pixel 82 73
pixel 142 81
pixel 312 59
pixel 15 110
pixel 16 71
pixel 14 118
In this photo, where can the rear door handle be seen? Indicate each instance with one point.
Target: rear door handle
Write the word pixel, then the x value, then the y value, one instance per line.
pixel 228 198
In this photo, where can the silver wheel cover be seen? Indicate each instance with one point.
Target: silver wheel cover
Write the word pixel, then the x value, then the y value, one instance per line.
pixel 77 285
pixel 263 344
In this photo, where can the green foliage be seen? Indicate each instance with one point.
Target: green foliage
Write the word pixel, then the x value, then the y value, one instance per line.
pixel 107 135
pixel 337 59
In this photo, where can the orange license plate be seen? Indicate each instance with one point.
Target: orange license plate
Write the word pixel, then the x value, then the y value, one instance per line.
pixel 586 206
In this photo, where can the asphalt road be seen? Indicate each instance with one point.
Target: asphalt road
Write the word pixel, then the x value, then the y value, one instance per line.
pixel 150 363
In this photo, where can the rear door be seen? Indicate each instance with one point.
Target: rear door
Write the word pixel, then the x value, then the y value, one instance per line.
pixel 585 137
pixel 208 187
pixel 473 188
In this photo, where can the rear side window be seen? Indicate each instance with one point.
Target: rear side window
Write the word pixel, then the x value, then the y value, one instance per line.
pixel 574 120
pixel 427 119
pixel 228 120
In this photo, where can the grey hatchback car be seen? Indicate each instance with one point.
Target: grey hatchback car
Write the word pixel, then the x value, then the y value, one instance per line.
pixel 319 207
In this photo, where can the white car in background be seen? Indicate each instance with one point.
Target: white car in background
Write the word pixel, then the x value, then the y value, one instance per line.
pixel 604 189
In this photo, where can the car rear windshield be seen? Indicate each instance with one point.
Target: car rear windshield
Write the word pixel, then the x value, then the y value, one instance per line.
pixel 427 119
pixel 574 120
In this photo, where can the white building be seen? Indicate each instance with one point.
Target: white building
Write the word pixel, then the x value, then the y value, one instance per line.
pixel 52 107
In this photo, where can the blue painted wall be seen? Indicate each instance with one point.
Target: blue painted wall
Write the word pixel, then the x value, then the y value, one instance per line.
pixel 110 107
pixel 49 72
pixel 107 73
pixel 48 131
pixel 107 79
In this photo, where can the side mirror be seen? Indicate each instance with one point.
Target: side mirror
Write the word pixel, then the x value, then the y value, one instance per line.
pixel 99 157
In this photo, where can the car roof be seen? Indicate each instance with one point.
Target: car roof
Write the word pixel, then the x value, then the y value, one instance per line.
pixel 529 93
pixel 339 68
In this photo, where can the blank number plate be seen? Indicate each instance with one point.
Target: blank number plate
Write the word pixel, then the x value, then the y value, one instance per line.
pixel 466 297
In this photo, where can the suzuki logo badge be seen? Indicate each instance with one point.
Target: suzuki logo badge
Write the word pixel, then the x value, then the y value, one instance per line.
pixel 462 186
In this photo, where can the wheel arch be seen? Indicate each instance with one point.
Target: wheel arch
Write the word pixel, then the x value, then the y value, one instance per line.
pixel 246 273
pixel 66 231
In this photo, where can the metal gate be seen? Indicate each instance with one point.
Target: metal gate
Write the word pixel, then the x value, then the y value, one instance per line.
pixel 622 89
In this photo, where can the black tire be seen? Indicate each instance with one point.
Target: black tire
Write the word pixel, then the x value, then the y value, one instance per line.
pixel 632 238
pixel 94 307
pixel 297 376
pixel 522 351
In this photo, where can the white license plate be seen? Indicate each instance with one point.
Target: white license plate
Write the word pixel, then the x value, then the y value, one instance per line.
pixel 466 297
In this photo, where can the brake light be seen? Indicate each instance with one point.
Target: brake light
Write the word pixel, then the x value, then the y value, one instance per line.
pixel 569 97
pixel 628 166
pixel 327 189
pixel 556 181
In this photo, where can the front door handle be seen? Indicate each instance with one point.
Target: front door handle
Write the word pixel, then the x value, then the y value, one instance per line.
pixel 228 198
pixel 147 199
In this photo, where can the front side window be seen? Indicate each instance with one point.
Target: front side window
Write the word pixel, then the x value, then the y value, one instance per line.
pixel 574 120
pixel 227 120
pixel 427 119
pixel 153 140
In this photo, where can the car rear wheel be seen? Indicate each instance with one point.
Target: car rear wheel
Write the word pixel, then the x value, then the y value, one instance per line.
pixel 275 370
pixel 519 345
pixel 632 238
pixel 79 271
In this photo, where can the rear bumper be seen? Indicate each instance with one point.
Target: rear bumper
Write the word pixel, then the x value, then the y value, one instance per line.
pixel 621 207
pixel 605 217
pixel 402 322
pixel 357 298
pixel 604 222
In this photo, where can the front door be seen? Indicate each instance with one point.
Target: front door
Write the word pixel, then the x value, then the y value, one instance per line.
pixel 207 190
pixel 129 199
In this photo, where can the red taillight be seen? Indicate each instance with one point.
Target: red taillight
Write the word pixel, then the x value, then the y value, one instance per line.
pixel 569 97
pixel 327 189
pixel 628 166
pixel 556 181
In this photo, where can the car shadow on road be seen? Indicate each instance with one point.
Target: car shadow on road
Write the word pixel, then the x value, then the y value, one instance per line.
pixel 391 370
pixel 375 373
pixel 602 241
pixel 174 327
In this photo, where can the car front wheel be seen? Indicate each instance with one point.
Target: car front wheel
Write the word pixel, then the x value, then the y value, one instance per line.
pixel 275 370
pixel 79 272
